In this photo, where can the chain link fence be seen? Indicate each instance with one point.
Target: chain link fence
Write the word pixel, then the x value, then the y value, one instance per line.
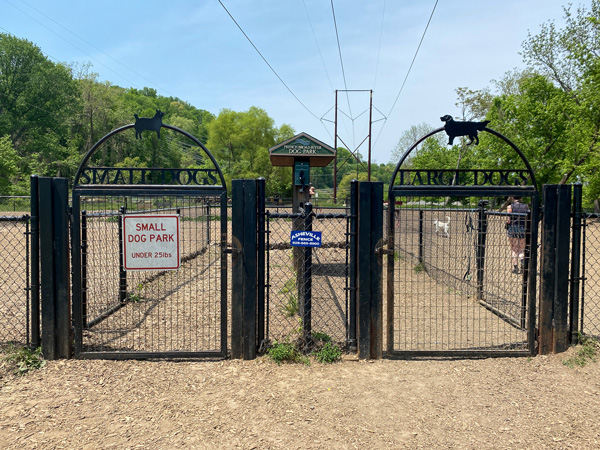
pixel 301 296
pixel 590 272
pixel 14 276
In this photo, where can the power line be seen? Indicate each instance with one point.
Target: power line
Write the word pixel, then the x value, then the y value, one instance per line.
pixel 317 44
pixel 68 42
pixel 414 57
pixel 409 69
pixel 337 36
pixel 267 62
pixel 100 50
pixel 379 47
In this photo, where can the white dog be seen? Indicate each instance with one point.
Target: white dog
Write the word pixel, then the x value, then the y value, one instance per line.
pixel 444 227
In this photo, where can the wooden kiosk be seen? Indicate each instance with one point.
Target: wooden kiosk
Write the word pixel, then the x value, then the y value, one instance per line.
pixel 301 153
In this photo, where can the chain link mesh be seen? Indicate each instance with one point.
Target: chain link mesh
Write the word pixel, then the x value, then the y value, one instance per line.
pixel 14 260
pixel 590 299
pixel 287 280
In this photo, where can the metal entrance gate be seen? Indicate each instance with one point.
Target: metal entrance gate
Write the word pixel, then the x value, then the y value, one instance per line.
pixel 125 305
pixel 452 288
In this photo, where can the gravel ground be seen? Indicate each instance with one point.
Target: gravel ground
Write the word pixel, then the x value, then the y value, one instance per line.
pixel 503 403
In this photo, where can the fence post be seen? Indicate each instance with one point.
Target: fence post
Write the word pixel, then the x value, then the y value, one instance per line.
pixel 554 282
pixel 84 266
pixel 62 267
pixel 35 263
pixel 370 247
pixel 244 270
pixel 480 251
pixel 260 261
pixel 421 240
pixel 575 265
pixel 307 270
pixel 353 267
pixel 54 255
pixel 391 273
pixel 122 271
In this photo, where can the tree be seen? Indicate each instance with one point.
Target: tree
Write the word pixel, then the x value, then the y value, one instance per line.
pixel 37 99
pixel 9 161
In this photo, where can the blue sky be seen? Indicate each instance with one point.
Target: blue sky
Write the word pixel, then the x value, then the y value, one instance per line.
pixel 193 50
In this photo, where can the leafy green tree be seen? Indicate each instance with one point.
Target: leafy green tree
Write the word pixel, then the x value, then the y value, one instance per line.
pixel 9 161
pixel 37 98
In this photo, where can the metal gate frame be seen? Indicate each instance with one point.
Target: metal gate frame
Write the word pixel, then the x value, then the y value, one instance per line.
pixel 431 185
pixel 177 189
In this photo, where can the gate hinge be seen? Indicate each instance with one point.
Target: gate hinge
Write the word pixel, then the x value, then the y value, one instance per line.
pixel 234 251
pixel 380 251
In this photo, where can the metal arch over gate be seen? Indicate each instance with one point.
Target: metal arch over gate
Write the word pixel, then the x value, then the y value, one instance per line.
pixel 452 288
pixel 149 255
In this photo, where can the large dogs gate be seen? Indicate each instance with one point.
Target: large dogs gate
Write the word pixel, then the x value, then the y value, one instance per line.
pixel 149 262
pixel 451 289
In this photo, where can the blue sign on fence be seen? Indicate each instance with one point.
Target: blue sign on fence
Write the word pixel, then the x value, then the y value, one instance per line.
pixel 305 239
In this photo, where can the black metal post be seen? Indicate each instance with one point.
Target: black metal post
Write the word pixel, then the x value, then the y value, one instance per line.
pixel 62 267
pixel 525 276
pixel 244 271
pixel 237 269
pixel 353 266
pixel 208 222
pixel 84 266
pixel 421 240
pixel 122 272
pixel 480 251
pixel 260 260
pixel 554 282
pixel 35 264
pixel 575 265
pixel 563 243
pixel 391 248
pixel 370 237
pixel 307 269
pixel 48 309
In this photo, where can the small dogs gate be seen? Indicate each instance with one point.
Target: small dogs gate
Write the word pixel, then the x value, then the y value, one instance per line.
pixel 149 265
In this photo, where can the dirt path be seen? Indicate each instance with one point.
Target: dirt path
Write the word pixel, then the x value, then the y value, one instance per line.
pixel 501 403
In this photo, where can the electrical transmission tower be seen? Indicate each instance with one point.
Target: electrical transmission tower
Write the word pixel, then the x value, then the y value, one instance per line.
pixel 353 151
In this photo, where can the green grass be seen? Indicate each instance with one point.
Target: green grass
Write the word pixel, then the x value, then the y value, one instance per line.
pixel 282 352
pixel 24 359
pixel 419 268
pixel 586 352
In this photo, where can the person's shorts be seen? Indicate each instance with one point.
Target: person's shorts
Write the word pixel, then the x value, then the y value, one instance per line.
pixel 516 232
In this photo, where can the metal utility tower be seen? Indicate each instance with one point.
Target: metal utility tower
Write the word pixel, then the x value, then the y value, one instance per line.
pixel 354 152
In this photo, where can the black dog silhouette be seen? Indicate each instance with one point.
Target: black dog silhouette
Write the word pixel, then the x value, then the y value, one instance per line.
pixel 454 129
pixel 152 124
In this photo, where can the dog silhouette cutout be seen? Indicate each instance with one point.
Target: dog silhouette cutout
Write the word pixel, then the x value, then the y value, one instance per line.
pixel 470 129
pixel 149 124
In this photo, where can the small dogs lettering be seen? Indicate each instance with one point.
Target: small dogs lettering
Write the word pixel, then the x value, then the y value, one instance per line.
pixel 470 129
pixel 150 124
pixel 442 227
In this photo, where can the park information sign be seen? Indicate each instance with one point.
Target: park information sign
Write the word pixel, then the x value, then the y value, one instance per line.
pixel 303 147
pixel 151 242
pixel 305 238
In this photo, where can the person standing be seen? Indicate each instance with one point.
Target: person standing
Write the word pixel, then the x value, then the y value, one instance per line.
pixel 515 227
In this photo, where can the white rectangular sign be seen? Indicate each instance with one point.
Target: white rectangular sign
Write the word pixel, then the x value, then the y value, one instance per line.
pixel 151 242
